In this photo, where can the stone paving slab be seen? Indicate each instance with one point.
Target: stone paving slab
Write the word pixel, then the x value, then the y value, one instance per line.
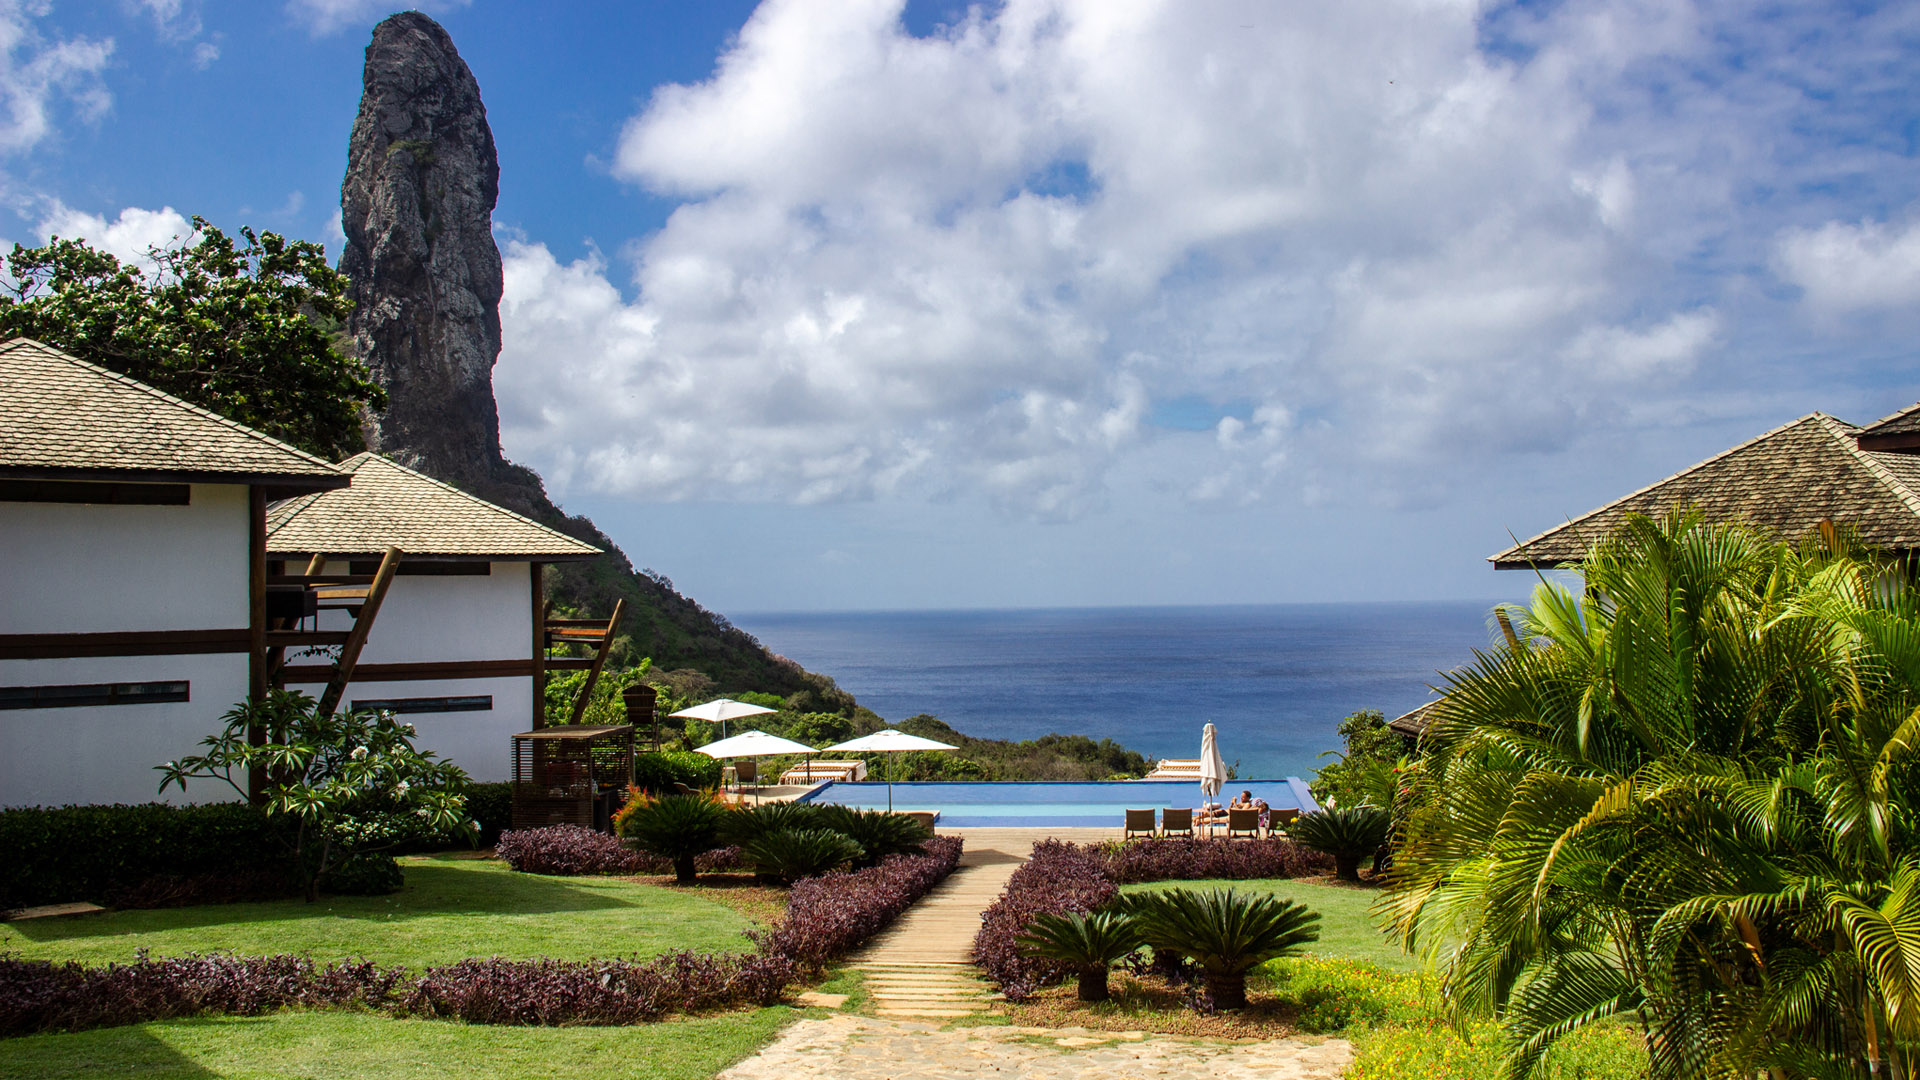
pixel 864 1048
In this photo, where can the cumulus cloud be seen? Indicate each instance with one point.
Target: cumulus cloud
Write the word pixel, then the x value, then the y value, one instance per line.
pixel 1407 237
pixel 127 237
pixel 322 17
pixel 1853 267
pixel 37 73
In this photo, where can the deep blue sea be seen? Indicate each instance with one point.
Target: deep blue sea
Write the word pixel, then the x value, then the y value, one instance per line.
pixel 1275 679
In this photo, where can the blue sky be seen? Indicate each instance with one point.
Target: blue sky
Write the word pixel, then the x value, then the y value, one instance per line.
pixel 845 304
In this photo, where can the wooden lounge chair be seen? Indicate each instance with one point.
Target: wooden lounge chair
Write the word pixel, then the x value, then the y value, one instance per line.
pixel 1278 820
pixel 1243 823
pixel 1139 823
pixel 746 771
pixel 1176 821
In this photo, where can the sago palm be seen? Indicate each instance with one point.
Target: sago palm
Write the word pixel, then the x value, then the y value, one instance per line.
pixel 1226 932
pixel 675 827
pixel 1088 943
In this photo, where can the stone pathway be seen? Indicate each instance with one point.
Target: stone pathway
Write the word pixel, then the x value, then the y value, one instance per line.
pixel 849 1047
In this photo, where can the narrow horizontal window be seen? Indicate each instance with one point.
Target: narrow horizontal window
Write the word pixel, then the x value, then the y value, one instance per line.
pixel 475 703
pixel 65 491
pixel 73 697
pixel 424 568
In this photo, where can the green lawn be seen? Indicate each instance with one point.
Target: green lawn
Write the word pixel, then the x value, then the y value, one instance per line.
pixel 452 908
pixel 1347 930
pixel 349 1045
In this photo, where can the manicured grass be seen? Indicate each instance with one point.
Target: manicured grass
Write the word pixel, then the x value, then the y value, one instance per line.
pixel 349 1046
pixel 452 908
pixel 1347 930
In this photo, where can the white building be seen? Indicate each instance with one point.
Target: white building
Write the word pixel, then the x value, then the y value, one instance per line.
pixel 460 645
pixel 132 576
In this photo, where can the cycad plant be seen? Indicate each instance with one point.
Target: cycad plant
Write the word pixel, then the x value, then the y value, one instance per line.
pixel 1088 943
pixel 749 823
pixel 676 827
pixel 1226 932
pixel 787 855
pixel 878 833
pixel 1349 834
pixel 1684 794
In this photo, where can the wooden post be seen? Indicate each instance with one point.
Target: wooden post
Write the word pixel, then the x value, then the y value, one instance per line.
pixel 538 584
pixel 257 627
pixel 357 638
pixel 599 661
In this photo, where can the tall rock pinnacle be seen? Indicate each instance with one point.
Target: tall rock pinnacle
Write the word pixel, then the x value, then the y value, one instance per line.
pixel 417 208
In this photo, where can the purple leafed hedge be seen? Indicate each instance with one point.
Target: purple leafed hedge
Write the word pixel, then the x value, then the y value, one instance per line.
pixel 830 914
pixel 1063 877
pixel 573 851
pixel 40 996
pixel 603 992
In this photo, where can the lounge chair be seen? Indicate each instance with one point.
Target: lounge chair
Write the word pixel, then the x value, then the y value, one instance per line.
pixel 1176 821
pixel 1139 823
pixel 746 771
pixel 1243 823
pixel 1278 820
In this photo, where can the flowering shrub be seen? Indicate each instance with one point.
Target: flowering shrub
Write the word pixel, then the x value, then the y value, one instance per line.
pixel 572 850
pixel 1062 878
pixel 40 996
pixel 553 992
pixel 1059 878
pixel 1194 859
pixel 830 914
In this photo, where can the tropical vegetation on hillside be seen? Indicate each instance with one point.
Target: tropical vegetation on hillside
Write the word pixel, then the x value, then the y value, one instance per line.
pixel 1683 795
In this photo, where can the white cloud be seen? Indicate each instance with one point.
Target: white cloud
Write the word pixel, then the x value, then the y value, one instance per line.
pixel 127 237
pixel 37 74
pixel 322 17
pixel 1406 238
pixel 1859 267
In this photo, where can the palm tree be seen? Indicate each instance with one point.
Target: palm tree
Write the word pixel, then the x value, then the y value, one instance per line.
pixel 1349 834
pixel 676 827
pixel 1088 943
pixel 1226 932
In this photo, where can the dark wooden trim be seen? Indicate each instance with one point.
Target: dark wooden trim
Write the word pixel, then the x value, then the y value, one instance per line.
pixel 441 669
pixel 123 643
pixel 537 587
pixel 426 568
pixel 599 661
pixel 357 637
pixel 306 639
pixel 569 663
pixel 259 677
pixel 92 494
pixel 276 485
pixel 1905 440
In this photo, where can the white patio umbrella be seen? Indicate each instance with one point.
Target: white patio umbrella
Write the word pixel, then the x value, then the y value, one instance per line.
pixel 1213 768
pixel 721 710
pixel 887 742
pixel 753 744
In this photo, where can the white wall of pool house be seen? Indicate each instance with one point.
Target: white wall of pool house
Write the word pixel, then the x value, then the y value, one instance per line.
pixel 89 568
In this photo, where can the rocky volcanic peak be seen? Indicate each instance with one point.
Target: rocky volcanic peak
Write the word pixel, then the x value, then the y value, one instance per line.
pixel 417 206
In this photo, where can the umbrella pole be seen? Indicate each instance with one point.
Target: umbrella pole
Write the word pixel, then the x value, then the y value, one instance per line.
pixel 889 785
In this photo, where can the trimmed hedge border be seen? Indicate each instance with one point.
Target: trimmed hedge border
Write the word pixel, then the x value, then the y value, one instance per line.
pixel 826 917
pixel 57 854
pixel 576 851
pixel 1063 877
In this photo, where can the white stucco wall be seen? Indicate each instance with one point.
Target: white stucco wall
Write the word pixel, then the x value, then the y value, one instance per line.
pixel 479 742
pixel 106 754
pixel 78 568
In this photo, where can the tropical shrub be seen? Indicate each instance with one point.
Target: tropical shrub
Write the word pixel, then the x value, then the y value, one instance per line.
pixel 149 855
pixel 674 827
pixel 366 873
pixel 657 771
pixel 1683 793
pixel 347 784
pixel 1199 859
pixel 877 833
pixel 787 855
pixel 40 996
pixel 1227 933
pixel 1059 878
pixel 746 824
pixel 567 850
pixel 1349 834
pixel 1089 943
pixel 829 915
pixel 494 990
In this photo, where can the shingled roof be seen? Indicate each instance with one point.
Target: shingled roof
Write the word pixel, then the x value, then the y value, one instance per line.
pixel 1901 431
pixel 62 418
pixel 390 505
pixel 1785 482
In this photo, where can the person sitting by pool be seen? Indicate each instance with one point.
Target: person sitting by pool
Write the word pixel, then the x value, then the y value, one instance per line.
pixel 1244 802
pixel 1210 814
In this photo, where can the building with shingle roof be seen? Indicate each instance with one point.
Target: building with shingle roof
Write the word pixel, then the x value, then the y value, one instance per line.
pixel 132 596
pixel 1787 481
pixel 460 645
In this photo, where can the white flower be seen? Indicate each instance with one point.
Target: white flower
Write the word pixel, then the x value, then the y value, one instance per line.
pixel 474 824
pixel 408 728
pixel 421 812
pixel 359 753
pixel 400 788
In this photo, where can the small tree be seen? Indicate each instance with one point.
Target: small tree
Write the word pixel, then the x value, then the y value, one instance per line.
pixel 350 784
pixel 674 827
pixel 1087 943
pixel 1227 933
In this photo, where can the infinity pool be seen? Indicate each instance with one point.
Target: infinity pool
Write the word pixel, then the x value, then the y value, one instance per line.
pixel 1101 803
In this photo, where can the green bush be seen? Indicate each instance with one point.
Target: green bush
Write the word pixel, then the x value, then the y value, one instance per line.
pixel 1225 931
pixel 370 873
pixel 1089 943
pixel 674 827
pixel 61 854
pixel 878 833
pixel 787 855
pixel 745 825
pixel 492 806
pixel 658 770
pixel 1349 834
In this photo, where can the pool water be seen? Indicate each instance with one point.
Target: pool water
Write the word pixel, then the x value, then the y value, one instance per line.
pixel 1061 805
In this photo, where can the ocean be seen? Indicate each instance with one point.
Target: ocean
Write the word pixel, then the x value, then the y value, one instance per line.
pixel 1275 679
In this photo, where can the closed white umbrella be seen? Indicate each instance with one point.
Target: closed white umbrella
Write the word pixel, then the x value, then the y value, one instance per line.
pixel 721 710
pixel 1213 768
pixel 889 741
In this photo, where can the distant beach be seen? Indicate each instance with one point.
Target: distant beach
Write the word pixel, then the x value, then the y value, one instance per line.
pixel 1277 679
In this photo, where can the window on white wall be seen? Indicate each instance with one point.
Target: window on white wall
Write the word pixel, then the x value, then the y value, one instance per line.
pixel 76 696
pixel 473 703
